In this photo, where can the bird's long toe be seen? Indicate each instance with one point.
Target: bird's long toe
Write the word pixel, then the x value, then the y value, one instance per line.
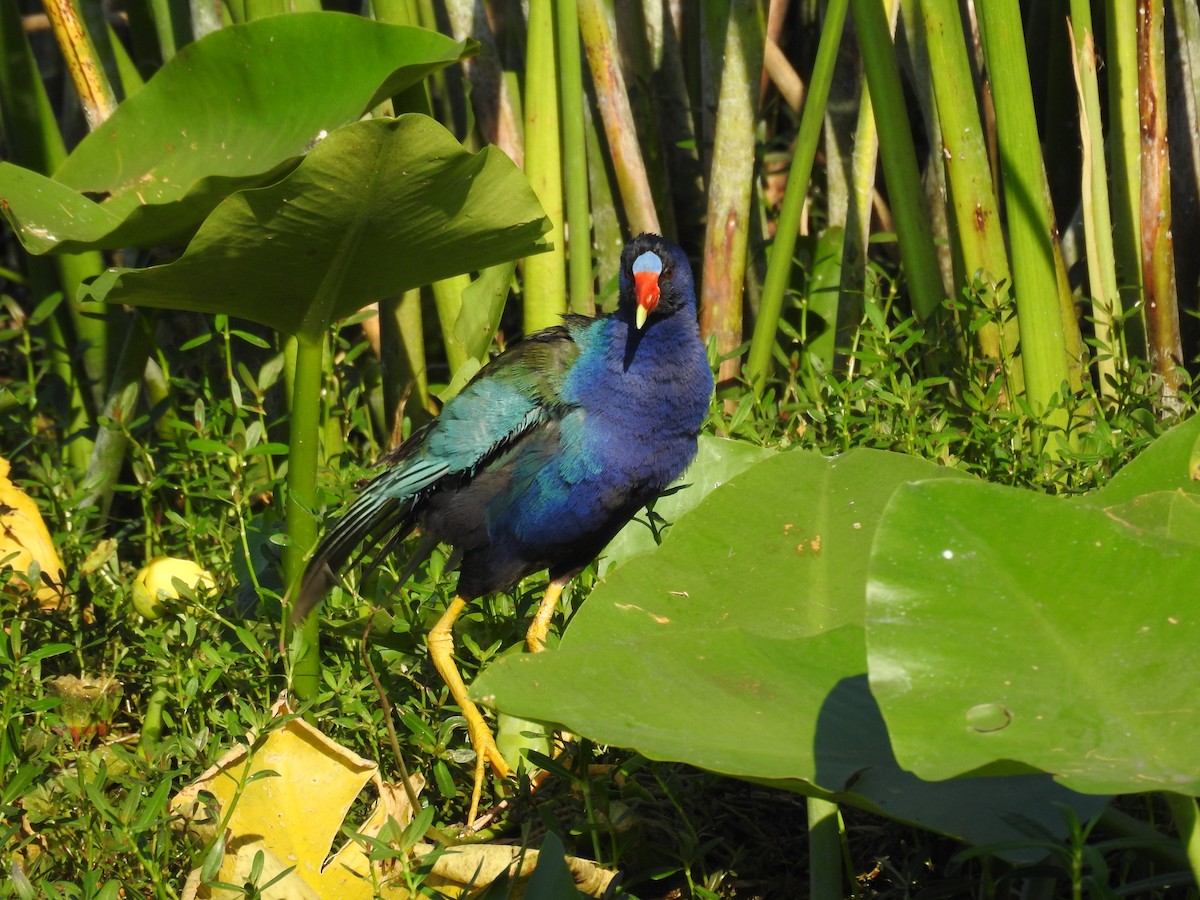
pixel 485 748
pixel 486 753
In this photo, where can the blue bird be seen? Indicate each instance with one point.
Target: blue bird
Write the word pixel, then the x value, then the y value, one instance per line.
pixel 541 459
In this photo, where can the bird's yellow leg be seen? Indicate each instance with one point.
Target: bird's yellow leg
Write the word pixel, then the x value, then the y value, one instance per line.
pixel 535 637
pixel 441 652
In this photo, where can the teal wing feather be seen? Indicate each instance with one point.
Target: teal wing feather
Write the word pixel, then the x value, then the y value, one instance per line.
pixel 515 392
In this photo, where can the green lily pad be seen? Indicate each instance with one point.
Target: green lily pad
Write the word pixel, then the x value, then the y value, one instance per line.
pixel 717 460
pixel 233 109
pixel 738 646
pixel 1169 514
pixel 1012 631
pixel 376 208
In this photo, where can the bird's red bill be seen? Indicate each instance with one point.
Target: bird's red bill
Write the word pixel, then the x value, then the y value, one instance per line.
pixel 645 286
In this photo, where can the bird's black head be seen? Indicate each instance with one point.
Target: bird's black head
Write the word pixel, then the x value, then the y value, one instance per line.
pixel 656 279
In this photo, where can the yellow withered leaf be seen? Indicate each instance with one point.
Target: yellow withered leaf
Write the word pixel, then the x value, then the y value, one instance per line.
pixel 24 540
pixel 293 816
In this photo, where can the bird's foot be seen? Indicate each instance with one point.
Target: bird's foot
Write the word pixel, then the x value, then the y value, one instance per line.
pixel 486 753
pixel 485 748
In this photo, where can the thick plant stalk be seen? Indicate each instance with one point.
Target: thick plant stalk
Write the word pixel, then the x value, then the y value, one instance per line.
pixel 402 355
pixel 546 273
pixel 824 850
pixel 1182 44
pixel 977 229
pixel 299 512
pixel 1097 218
pixel 331 417
pixel 83 65
pixel 1158 253
pixel 841 118
pixel 448 300
pixel 172 29
pixel 775 62
pixel 632 181
pixel 860 188
pixel 495 110
pixel 606 218
pixel 91 333
pixel 575 174
pixel 447 293
pixel 640 44
pixel 912 54
pixel 33 140
pixel 863 169
pixel 730 184
pixel 1187 823
pixel 206 16
pixel 236 10
pixel 785 78
pixel 913 229
pixel 1035 281
pixel 108 454
pixel 1124 147
pixel 866 151
pixel 779 268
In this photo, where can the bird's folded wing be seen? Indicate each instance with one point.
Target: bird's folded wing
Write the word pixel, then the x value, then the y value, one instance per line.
pixel 511 397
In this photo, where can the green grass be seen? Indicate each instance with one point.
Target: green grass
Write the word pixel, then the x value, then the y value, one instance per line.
pixel 205 481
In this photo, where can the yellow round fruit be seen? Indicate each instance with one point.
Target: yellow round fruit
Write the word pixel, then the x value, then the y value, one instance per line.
pixel 155 588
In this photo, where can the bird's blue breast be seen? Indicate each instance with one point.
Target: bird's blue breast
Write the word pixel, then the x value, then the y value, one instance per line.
pixel 630 431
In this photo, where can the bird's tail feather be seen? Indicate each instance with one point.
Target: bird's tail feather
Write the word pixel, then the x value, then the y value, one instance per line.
pixel 348 541
pixel 385 507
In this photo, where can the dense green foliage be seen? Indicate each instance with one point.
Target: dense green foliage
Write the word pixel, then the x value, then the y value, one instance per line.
pixel 205 483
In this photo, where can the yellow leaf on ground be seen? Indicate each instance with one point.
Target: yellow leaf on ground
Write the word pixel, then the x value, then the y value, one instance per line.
pixel 478 865
pixel 293 816
pixel 23 533
pixel 282 798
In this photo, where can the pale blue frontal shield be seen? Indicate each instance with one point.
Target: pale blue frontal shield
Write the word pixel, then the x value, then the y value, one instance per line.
pixel 648 262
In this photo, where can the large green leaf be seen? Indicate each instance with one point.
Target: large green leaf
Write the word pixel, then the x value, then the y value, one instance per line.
pixel 738 646
pixel 717 460
pixel 1171 463
pixel 1008 630
pixel 376 208
pixel 1171 514
pixel 230 110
